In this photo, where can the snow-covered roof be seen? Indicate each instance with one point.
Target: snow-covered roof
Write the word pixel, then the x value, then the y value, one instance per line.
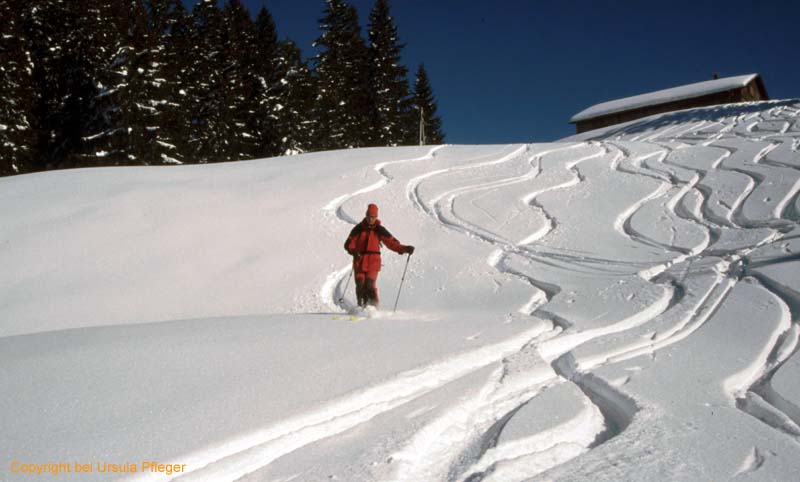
pixel 663 96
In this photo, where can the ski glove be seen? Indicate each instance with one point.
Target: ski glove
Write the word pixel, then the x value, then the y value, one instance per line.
pixel 410 249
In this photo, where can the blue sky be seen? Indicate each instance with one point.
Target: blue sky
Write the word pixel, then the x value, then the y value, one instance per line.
pixel 516 71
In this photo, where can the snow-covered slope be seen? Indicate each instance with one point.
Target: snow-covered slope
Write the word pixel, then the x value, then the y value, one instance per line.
pixel 622 305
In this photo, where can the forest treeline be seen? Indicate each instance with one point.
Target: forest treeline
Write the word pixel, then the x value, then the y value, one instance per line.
pixel 147 82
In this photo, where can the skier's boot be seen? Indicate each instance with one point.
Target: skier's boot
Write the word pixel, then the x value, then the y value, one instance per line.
pixel 371 294
pixel 361 293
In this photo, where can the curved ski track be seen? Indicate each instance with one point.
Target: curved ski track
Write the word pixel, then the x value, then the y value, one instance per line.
pixel 456 445
pixel 757 399
pixel 333 288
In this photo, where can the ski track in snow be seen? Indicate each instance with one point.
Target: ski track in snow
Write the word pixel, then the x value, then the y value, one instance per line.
pixel 461 444
pixel 618 409
pixel 251 452
pixel 333 289
pixel 441 453
pixel 754 395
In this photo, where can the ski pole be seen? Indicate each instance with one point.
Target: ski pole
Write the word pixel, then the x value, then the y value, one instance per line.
pixel 341 300
pixel 401 282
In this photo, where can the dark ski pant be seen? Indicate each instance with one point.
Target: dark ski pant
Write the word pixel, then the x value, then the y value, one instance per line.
pixel 367 288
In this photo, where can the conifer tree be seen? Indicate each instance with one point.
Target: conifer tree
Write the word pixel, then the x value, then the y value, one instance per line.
pixel 285 93
pixel 267 85
pixel 425 102
pixel 239 82
pixel 159 138
pixel 132 99
pixel 343 105
pixel 177 113
pixel 138 121
pixel 102 136
pixel 295 125
pixel 389 85
pixel 60 46
pixel 208 135
pixel 17 96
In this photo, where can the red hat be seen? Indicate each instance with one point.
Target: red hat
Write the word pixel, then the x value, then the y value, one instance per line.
pixel 372 210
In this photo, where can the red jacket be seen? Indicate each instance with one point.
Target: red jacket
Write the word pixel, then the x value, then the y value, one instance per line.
pixel 366 240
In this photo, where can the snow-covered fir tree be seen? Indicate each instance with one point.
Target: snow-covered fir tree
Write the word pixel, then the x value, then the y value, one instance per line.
pixel 166 29
pixel 343 104
pixel 110 54
pixel 388 82
pixel 132 102
pixel 220 83
pixel 239 82
pixel 177 117
pixel 61 43
pixel 17 95
pixel 208 135
pixel 295 124
pixel 285 93
pixel 267 85
pixel 425 102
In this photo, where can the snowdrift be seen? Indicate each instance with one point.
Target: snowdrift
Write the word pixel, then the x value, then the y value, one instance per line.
pixel 620 305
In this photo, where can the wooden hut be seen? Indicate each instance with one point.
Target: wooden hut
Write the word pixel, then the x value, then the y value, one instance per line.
pixel 743 88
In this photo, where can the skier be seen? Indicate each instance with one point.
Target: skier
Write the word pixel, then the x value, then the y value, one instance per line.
pixel 364 245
